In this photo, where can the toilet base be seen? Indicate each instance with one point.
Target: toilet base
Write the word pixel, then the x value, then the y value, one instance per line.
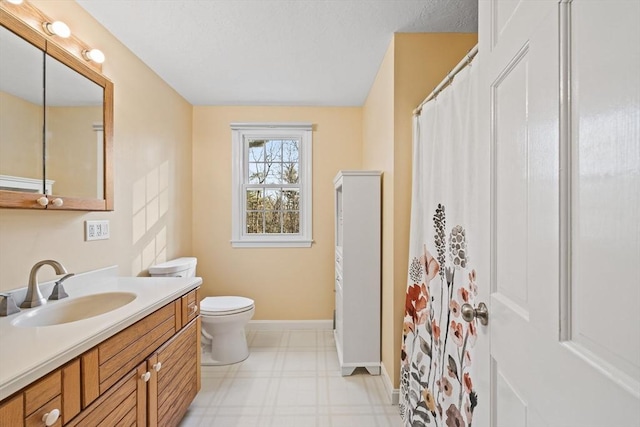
pixel 225 349
pixel 207 360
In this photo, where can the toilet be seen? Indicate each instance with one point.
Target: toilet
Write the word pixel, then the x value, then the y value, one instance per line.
pixel 223 318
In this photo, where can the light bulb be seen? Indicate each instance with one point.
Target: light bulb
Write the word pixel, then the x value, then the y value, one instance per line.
pixel 94 55
pixel 57 28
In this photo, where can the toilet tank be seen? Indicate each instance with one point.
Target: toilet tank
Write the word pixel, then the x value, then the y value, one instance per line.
pixel 179 267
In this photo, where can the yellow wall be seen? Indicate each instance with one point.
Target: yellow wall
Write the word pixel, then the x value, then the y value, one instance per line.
pixel 152 158
pixel 378 147
pixel 413 65
pixel 286 283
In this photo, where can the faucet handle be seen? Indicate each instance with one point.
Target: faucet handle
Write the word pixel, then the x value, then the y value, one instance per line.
pixel 58 291
pixel 7 305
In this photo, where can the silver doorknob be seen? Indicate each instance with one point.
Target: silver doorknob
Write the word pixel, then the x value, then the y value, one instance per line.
pixel 481 312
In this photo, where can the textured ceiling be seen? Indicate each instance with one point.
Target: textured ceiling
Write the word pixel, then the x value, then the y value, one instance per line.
pixel 272 52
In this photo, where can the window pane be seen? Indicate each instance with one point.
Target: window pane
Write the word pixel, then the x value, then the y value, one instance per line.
pixel 290 173
pixel 274 173
pixel 273 222
pixel 256 150
pixel 256 173
pixel 291 222
pixel 290 151
pixel 291 200
pixel 255 222
pixel 272 199
pixel 255 200
pixel 273 149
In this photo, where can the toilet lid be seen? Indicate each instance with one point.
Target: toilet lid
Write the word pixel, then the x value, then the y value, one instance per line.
pixel 225 305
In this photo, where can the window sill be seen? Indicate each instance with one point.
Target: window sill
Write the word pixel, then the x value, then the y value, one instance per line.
pixel 271 243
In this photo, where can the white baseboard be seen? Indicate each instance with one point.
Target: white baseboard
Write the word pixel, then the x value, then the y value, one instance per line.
pixel 276 325
pixel 394 393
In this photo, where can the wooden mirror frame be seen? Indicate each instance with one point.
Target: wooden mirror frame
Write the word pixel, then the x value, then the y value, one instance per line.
pixel 26 21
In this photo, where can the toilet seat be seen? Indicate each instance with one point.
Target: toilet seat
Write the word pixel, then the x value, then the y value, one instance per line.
pixel 225 305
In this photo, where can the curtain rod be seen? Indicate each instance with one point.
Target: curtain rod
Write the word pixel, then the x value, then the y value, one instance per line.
pixel 449 78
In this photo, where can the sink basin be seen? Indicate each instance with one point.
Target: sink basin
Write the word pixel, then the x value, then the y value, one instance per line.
pixel 74 309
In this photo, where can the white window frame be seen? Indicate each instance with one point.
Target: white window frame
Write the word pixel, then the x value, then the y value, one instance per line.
pixel 240 132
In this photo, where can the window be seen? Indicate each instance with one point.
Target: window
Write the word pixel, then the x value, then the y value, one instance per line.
pixel 271 185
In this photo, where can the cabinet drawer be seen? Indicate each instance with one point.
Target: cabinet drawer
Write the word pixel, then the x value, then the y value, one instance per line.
pixel 122 352
pixel 35 419
pixel 190 306
pixel 104 365
pixel 42 392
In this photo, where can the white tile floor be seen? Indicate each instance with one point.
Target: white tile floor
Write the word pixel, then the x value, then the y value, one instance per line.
pixel 291 379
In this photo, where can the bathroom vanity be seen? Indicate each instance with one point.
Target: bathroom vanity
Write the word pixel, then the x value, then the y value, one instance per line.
pixel 138 364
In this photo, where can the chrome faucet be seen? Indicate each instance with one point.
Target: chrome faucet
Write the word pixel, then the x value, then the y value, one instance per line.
pixel 34 297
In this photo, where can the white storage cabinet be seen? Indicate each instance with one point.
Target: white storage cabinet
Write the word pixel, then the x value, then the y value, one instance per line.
pixel 357 270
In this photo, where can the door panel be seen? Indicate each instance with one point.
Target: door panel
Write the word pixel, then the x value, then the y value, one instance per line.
pixel 605 163
pixel 511 409
pixel 511 164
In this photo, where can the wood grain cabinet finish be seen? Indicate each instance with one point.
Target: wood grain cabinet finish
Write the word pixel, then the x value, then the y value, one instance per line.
pixel 124 404
pixel 146 375
pixel 109 361
pixel 175 377
pixel 190 306
pixel 12 411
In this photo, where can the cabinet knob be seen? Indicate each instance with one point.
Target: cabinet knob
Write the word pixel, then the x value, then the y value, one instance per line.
pixel 57 202
pixel 43 201
pixel 157 366
pixel 50 418
pixel 146 376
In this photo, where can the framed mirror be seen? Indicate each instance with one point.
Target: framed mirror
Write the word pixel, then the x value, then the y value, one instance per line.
pixel 56 135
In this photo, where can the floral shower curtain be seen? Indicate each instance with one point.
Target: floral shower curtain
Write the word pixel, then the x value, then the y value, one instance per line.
pixel 437 372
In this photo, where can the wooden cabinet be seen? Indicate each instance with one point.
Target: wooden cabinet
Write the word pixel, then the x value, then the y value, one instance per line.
pixel 146 375
pixel 357 270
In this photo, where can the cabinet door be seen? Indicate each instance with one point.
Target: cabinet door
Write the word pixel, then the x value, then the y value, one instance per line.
pixel 124 404
pixel 175 381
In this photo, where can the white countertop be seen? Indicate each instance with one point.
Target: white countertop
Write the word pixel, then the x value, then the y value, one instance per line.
pixel 28 353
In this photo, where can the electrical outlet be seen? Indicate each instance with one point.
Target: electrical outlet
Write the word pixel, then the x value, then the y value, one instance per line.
pixel 96 230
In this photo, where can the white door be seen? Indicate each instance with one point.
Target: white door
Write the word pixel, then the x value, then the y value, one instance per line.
pixel 560 117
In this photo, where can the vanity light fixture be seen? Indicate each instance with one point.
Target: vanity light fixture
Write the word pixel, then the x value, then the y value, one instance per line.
pixel 94 55
pixel 56 28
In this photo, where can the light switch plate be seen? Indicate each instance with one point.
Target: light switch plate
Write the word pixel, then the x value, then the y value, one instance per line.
pixel 96 230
